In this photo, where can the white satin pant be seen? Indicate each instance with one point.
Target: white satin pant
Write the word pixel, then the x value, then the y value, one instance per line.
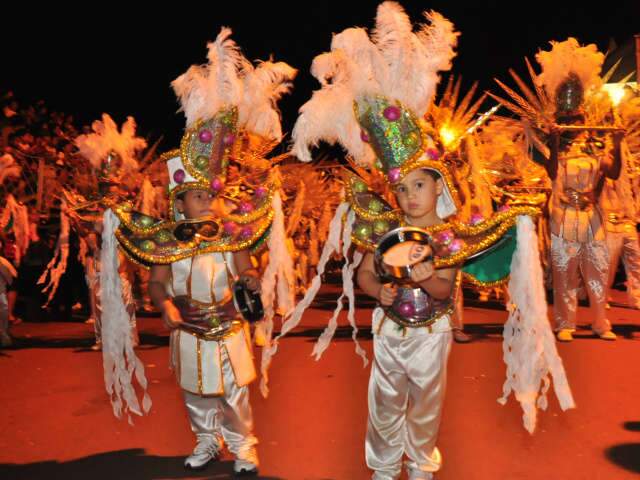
pixel 228 416
pixel 568 261
pixel 406 394
pixel 625 245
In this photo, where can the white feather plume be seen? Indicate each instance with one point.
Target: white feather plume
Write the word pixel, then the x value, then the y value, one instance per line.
pixel 328 115
pixel 569 57
pixel 229 79
pixel 106 138
pixel 264 85
pixel 394 61
pixel 204 89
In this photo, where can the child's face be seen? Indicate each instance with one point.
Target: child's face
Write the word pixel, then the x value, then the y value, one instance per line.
pixel 196 204
pixel 417 193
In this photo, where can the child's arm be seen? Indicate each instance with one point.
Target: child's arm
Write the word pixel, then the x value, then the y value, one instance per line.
pixel 369 283
pixel 160 275
pixel 437 283
pixel 246 271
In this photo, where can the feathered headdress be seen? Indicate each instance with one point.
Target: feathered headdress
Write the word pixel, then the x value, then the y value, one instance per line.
pixel 569 70
pixel 375 91
pixel 375 88
pixel 98 147
pixel 232 121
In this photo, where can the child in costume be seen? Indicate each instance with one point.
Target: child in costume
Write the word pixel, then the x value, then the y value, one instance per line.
pixel 222 201
pixel 373 92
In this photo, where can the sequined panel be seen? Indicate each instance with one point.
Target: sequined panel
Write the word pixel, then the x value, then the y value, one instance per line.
pixel 393 133
pixel 209 143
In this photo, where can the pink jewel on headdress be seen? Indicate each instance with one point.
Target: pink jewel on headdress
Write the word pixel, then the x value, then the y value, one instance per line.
pixel 228 139
pixel 364 136
pixel 433 153
pixel 260 192
pixel 456 245
pixel 503 208
pixel 205 136
pixel 445 237
pixel 229 228
pixel 476 218
pixel 179 176
pixel 406 309
pixel 391 113
pixel 246 207
pixel 394 175
pixel 217 184
pixel 246 232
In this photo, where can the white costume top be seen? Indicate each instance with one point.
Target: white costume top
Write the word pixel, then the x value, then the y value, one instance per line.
pixel 208 279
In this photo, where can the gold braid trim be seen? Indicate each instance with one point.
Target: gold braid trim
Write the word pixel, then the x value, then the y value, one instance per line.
pixel 479 284
pixel 502 222
pixel 191 249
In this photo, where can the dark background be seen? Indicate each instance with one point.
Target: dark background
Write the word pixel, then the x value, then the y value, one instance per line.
pixel 108 57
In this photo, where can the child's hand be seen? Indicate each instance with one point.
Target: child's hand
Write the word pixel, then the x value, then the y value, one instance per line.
pixel 171 315
pixel 251 278
pixel 387 294
pixel 422 271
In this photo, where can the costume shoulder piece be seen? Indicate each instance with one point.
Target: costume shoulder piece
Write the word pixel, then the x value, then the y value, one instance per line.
pixel 484 248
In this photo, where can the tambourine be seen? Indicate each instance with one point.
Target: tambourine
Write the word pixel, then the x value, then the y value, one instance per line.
pixel 399 250
pixel 203 228
pixel 247 302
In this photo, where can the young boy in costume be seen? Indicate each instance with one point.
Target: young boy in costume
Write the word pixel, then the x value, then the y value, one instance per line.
pixel 375 91
pixel 221 200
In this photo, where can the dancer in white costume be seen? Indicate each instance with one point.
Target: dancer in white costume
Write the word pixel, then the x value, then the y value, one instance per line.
pixel 374 93
pixel 217 215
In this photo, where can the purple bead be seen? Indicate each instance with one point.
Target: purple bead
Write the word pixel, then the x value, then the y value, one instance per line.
pixel 406 309
pixel 229 228
pixel 217 184
pixel 260 192
pixel 433 153
pixel 246 207
pixel 246 232
pixel 391 113
pixel 364 136
pixel 476 218
pixel 394 175
pixel 179 176
pixel 445 237
pixel 205 136
pixel 456 245
pixel 228 139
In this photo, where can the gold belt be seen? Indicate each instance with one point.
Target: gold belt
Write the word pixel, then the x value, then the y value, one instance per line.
pixel 616 218
pixel 578 200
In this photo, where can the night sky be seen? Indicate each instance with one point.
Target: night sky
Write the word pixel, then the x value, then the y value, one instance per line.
pixel 122 62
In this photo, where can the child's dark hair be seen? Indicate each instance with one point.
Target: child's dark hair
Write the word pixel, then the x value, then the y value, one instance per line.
pixel 432 173
pixel 181 195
